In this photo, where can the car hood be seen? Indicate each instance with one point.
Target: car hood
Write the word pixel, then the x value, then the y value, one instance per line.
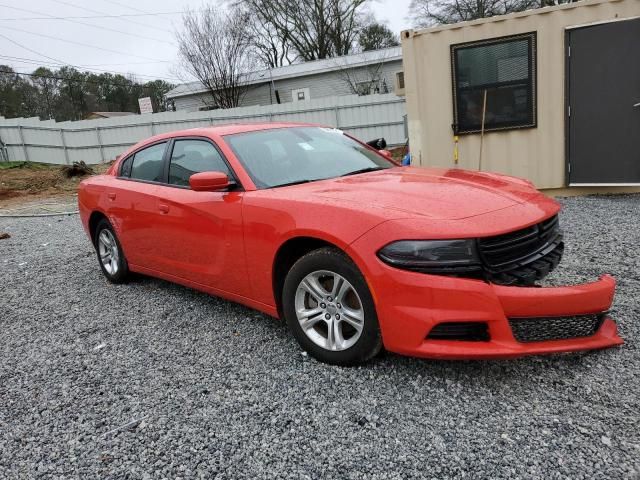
pixel 434 193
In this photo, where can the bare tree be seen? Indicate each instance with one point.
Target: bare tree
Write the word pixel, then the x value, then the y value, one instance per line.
pixel 214 47
pixel 270 47
pixel 345 23
pixel 312 29
pixel 426 13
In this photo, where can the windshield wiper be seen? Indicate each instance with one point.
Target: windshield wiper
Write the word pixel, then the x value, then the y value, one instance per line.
pixel 297 182
pixel 363 170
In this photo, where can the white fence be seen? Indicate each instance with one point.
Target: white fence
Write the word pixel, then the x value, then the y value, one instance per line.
pixel 96 141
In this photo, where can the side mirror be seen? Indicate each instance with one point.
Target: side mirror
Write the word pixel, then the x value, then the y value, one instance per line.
pixel 378 143
pixel 209 181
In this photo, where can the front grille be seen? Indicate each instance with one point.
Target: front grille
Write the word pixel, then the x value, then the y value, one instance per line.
pixel 528 273
pixel 466 331
pixel 540 329
pixel 513 249
pixel 524 256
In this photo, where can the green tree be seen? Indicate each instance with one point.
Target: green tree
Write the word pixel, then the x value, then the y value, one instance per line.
pixel 72 102
pixel 48 91
pixel 376 36
pixel 157 90
pixel 17 95
pixel 69 94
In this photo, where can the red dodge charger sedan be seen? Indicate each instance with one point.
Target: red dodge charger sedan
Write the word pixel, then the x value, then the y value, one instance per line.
pixel 356 253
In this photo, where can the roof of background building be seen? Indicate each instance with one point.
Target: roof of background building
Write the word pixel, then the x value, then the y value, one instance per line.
pixel 109 114
pixel 302 69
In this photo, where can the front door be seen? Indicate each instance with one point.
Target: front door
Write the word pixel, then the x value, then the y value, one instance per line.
pixel 603 111
pixel 198 235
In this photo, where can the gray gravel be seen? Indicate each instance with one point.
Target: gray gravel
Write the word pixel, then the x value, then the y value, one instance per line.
pixel 152 380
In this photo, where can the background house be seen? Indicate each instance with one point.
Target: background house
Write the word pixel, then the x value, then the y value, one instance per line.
pixel 363 73
pixel 559 88
pixel 96 115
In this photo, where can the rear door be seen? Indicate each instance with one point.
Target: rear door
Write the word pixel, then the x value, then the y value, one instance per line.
pixel 132 203
pixel 604 104
pixel 198 235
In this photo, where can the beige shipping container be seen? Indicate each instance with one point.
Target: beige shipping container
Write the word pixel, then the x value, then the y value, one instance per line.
pixel 538 153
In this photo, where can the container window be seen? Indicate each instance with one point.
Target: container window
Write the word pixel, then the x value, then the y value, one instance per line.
pixel 502 70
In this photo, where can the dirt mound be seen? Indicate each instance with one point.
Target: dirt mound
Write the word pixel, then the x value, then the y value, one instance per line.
pixel 6 193
pixel 41 180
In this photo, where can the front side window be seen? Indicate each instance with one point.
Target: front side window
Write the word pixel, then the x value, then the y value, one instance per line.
pixel 494 81
pixel 194 156
pixel 284 156
pixel 148 163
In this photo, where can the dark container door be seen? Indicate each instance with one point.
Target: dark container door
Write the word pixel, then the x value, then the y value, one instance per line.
pixel 603 111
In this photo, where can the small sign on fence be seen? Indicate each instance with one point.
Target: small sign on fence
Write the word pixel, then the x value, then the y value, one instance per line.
pixel 145 105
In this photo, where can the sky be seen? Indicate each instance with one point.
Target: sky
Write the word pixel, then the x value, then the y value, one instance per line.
pixel 131 42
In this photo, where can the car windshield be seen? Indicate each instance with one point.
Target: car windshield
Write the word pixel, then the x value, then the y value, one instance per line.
pixel 286 156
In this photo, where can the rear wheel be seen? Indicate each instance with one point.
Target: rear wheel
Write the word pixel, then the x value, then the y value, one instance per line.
pixel 329 309
pixel 110 255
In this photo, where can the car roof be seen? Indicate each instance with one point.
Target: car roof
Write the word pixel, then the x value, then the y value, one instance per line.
pixel 231 128
pixel 228 129
pixel 221 130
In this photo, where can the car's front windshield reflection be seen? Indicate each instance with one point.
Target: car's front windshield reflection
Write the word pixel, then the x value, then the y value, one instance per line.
pixel 286 156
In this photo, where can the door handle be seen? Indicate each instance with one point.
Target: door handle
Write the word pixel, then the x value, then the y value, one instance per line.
pixel 111 196
pixel 636 105
pixel 164 208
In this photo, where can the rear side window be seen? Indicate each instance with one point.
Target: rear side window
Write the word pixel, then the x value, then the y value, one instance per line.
pixel 125 169
pixel 194 156
pixel 148 164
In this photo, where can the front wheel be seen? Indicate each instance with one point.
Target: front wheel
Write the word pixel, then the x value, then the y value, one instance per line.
pixel 329 309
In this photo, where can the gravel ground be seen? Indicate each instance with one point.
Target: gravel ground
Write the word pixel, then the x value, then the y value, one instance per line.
pixel 152 380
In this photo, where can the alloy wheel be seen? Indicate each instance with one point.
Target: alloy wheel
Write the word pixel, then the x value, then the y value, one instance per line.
pixel 108 251
pixel 329 310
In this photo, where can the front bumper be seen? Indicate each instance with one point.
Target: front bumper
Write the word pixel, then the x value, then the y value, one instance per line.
pixel 410 304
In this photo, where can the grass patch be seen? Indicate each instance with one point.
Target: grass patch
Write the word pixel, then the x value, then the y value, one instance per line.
pixel 26 165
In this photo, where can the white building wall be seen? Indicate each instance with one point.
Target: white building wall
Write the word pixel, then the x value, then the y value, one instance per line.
pixel 326 84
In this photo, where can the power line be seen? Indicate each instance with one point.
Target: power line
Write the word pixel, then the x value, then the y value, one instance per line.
pixel 135 9
pixel 89 17
pixel 113 2
pixel 29 49
pixel 85 65
pixel 52 17
pixel 87 68
pixel 63 63
pixel 63 2
pixel 84 44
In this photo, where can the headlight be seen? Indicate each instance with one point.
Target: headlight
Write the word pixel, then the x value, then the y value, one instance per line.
pixel 433 256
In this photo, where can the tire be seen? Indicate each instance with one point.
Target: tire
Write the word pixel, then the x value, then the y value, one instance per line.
pixel 329 309
pixel 110 255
